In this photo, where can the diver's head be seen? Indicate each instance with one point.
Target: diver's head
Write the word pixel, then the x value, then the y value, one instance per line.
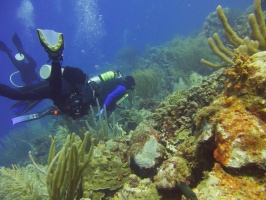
pixel 130 82
pixel 19 57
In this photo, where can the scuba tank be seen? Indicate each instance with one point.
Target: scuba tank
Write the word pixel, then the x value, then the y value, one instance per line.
pixel 96 81
pixel 106 76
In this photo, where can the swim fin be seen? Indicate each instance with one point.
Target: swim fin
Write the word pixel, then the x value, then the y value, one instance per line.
pixel 52 110
pixel 17 43
pixel 4 48
pixel 24 118
pixel 24 106
pixel 53 43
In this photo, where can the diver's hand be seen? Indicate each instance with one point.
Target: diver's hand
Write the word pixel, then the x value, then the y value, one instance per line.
pixel 99 115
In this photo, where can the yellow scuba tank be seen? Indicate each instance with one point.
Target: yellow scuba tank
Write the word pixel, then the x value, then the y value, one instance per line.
pixel 96 81
pixel 102 77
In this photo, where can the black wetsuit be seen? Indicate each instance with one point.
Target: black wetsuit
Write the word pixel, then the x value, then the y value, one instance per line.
pixel 69 92
pixel 27 66
pixel 27 69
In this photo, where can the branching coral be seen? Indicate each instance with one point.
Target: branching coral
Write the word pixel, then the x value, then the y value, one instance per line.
pixel 65 169
pixel 250 45
pixel 104 128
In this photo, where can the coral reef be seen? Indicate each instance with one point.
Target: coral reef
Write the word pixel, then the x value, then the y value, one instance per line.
pixel 175 57
pixel 240 126
pixel 209 138
pixel 65 169
pixel 255 43
pixel 109 169
pixel 137 188
pixel 236 125
pixel 212 23
pixel 146 158
pixel 174 117
pixel 128 56
pixel 21 140
pixel 63 174
pixel 148 82
pixel 172 171
pixel 129 119
pixel 22 183
pixel 228 131
pixel 218 184
pixel 145 151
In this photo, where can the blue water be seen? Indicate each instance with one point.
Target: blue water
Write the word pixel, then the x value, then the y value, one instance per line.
pixel 94 30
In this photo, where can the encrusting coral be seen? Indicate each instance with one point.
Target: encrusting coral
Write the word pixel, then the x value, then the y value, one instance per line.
pixel 218 184
pixel 109 169
pixel 235 125
pixel 250 45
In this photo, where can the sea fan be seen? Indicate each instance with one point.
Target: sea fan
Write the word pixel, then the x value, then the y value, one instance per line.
pixel 22 183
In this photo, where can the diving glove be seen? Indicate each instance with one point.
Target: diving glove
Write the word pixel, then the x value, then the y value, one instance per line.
pixel 102 115
pixel 99 115
pixel 53 43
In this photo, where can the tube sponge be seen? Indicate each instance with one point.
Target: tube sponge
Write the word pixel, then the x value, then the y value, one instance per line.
pixel 252 45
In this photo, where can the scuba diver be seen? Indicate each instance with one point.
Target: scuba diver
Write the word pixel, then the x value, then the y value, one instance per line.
pixel 69 87
pixel 25 68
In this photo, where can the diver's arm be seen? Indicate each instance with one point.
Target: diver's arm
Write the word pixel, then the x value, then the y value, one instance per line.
pixel 116 94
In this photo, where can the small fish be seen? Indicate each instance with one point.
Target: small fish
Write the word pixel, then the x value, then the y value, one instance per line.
pixel 187 191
